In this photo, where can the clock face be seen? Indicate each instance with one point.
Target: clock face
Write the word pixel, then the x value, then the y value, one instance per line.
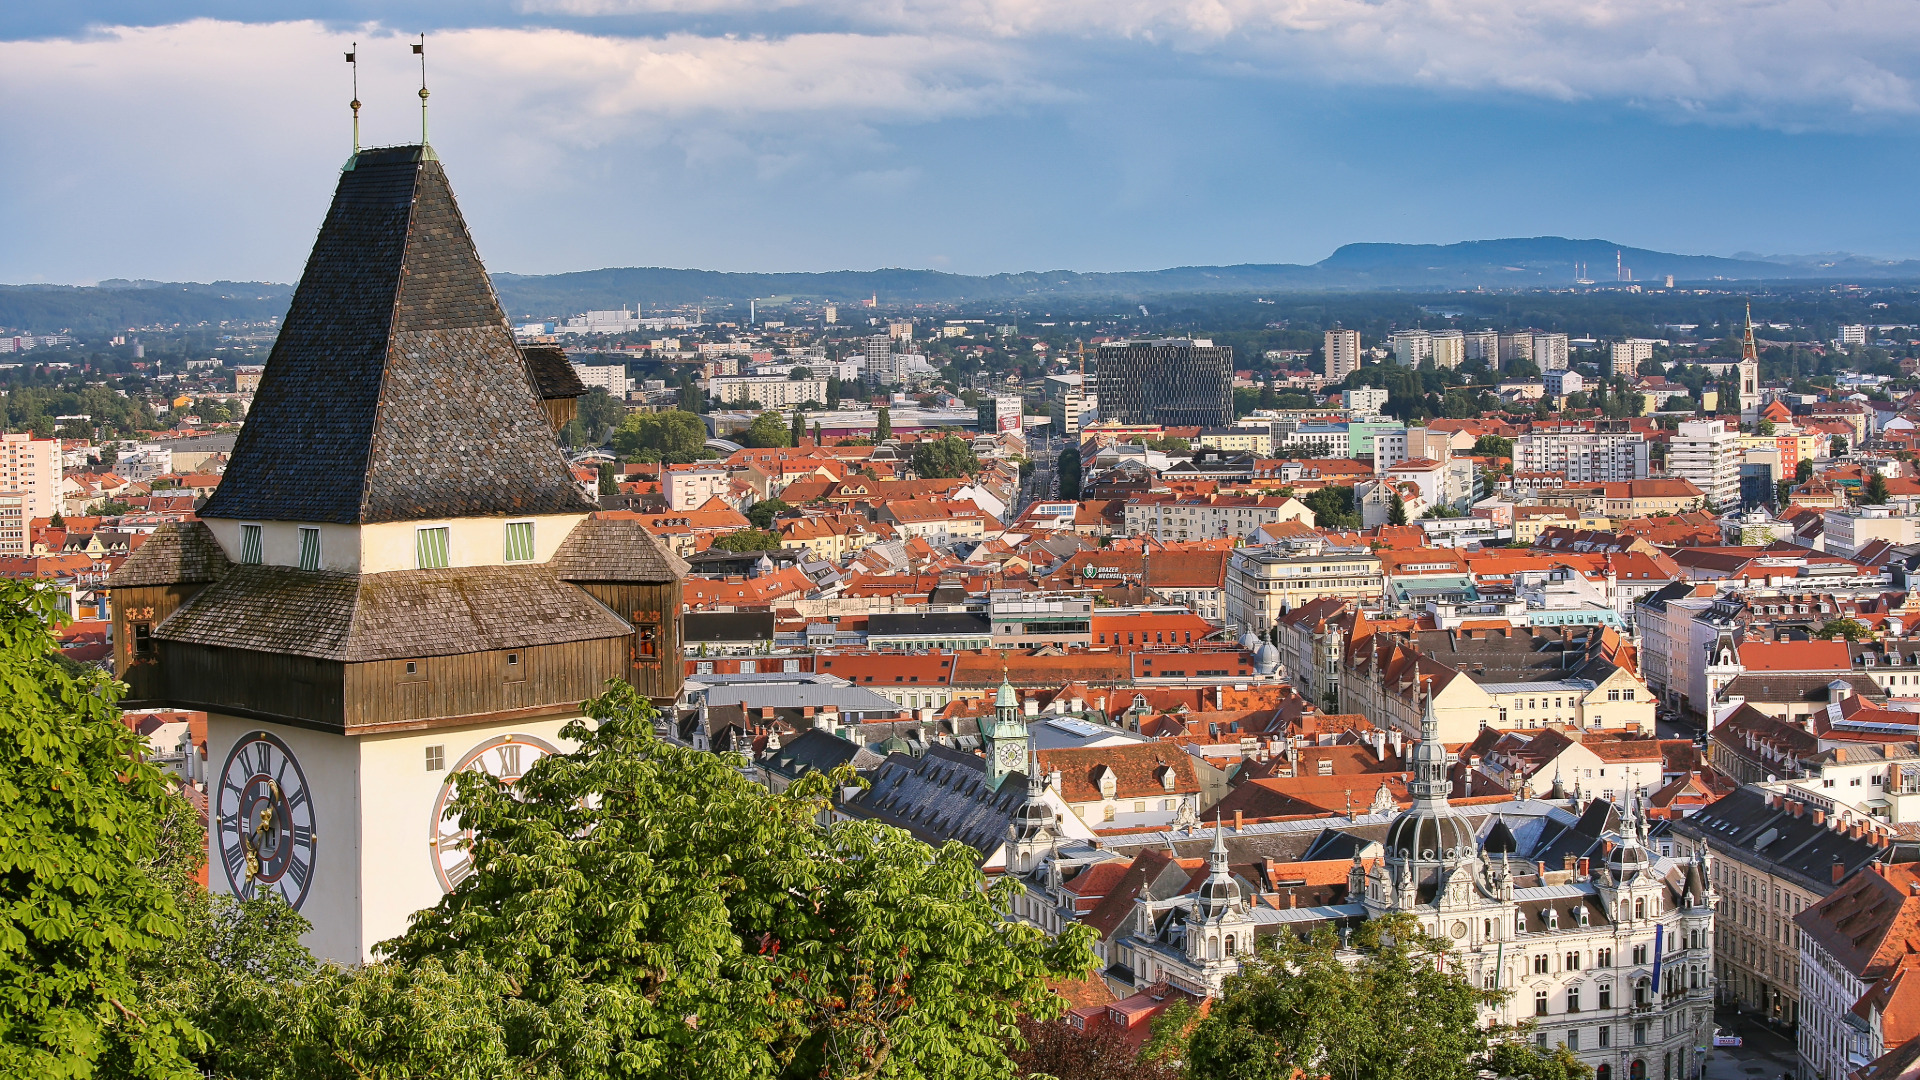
pixel 503 757
pixel 1010 755
pixel 263 821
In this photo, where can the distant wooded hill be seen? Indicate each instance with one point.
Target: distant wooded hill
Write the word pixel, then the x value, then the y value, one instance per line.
pixel 1536 262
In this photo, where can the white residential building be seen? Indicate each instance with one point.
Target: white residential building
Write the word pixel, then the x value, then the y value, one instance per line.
pixel 609 377
pixel 1625 357
pixel 780 392
pixel 1364 400
pixel 1584 457
pixel 1705 452
pixel 1853 335
pixel 1483 345
pixel 1550 351
pixel 1561 381
pixel 1343 353
pixel 29 486
pixel 1411 346
pixel 690 488
pixel 1449 348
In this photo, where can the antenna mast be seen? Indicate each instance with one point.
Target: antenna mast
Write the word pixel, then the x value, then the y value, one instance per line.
pixel 420 50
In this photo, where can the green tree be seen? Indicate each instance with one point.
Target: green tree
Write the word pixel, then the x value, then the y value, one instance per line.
pixel 1332 507
pixel 1069 473
pixel 1851 629
pixel 1493 446
pixel 763 512
pixel 799 373
pixel 1397 510
pixel 80 900
pixel 799 433
pixel 1399 1010
pixel 883 429
pixel 816 434
pixel 748 540
pixel 599 414
pixel 1874 492
pixel 1803 471
pixel 944 458
pixel 1839 445
pixel 609 480
pixel 651 912
pixel 766 431
pixel 676 437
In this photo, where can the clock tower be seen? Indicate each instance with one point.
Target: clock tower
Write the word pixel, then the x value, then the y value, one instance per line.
pixel 1005 736
pixel 398 579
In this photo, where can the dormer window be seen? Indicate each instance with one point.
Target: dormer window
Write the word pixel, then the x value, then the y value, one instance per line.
pixel 519 541
pixel 432 547
pixel 250 545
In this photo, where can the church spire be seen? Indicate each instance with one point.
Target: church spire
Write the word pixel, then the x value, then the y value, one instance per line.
pixel 1430 784
pixel 1748 351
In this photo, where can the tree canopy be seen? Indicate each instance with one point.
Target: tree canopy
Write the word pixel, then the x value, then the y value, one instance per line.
pixel 763 512
pixel 1069 473
pixel 675 437
pixel 944 458
pixel 1398 1011
pixel 80 901
pixel 1874 492
pixel 1332 507
pixel 748 540
pixel 767 430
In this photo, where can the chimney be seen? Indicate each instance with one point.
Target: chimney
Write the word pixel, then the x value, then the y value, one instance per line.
pixel 1293 901
pixel 1585 868
pixel 1797 807
pixel 1236 821
pixel 1773 800
pixel 1572 862
pixel 1543 868
pixel 1839 871
pixel 1913 888
pixel 1819 817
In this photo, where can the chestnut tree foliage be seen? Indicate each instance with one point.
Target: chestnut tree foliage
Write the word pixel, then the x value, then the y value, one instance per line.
pixel 638 909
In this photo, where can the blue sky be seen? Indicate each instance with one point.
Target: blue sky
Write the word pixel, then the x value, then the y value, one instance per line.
pixel 198 139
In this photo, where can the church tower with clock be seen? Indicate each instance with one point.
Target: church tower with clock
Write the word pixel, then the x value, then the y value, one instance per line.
pixel 1005 736
pixel 397 579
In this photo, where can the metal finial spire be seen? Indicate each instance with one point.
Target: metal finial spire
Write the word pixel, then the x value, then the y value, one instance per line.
pixel 353 59
pixel 420 50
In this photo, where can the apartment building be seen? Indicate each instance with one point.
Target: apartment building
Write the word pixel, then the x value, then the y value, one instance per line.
pixel 29 487
pixel 1850 528
pixel 1210 517
pixel 1625 357
pixel 1411 346
pixel 1449 348
pixel 1856 971
pixel 1550 351
pixel 1265 583
pixel 689 487
pixel 1364 400
pixel 1707 453
pixel 1342 353
pixel 1515 346
pixel 772 392
pixel 1776 854
pixel 1603 456
pixel 1483 345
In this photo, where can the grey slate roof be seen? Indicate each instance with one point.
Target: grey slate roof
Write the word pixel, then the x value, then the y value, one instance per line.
pixel 395 391
pixel 940 797
pixel 178 553
pixel 390 616
pixel 615 549
pixel 1744 828
pixel 957 623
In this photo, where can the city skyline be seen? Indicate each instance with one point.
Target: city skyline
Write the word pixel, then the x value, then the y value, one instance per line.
pixel 183 143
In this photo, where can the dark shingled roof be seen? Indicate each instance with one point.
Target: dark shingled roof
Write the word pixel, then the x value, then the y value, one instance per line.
pixel 395 391
pixel 179 553
pixel 390 616
pixel 553 376
pixel 615 549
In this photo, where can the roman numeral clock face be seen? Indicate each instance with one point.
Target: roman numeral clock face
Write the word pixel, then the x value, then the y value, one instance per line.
pixel 506 758
pixel 263 821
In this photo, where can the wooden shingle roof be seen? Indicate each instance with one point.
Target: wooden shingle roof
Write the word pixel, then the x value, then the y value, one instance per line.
pixel 395 391
pixel 389 616
pixel 178 553
pixel 615 549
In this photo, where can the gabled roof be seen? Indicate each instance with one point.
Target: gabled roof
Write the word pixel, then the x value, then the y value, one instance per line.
pixel 178 553
pixel 395 391
pixel 608 548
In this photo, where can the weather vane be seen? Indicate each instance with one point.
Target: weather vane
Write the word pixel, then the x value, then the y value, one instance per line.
pixel 420 50
pixel 353 59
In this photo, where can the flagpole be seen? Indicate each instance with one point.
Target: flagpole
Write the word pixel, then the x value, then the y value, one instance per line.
pixel 353 59
pixel 420 50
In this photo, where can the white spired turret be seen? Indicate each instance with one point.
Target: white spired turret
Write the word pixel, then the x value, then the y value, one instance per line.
pixel 1219 924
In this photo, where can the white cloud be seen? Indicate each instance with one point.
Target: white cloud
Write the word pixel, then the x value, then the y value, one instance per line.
pixel 1786 62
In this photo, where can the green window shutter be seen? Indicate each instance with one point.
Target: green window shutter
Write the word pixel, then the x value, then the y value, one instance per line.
pixel 520 541
pixel 431 547
pixel 250 544
pixel 309 549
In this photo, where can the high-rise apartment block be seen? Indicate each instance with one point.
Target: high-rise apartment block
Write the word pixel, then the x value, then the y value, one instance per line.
pixel 1364 400
pixel 901 330
pixel 883 365
pixel 1605 456
pixel 29 487
pixel 1343 353
pixel 1483 345
pixel 1449 348
pixel 1625 357
pixel 1851 336
pixel 1411 346
pixel 1708 454
pixel 1515 346
pixel 1550 351
pixel 1179 382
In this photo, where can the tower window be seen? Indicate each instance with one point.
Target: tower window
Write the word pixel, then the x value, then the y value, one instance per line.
pixel 309 547
pixel 519 541
pixel 436 758
pixel 432 547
